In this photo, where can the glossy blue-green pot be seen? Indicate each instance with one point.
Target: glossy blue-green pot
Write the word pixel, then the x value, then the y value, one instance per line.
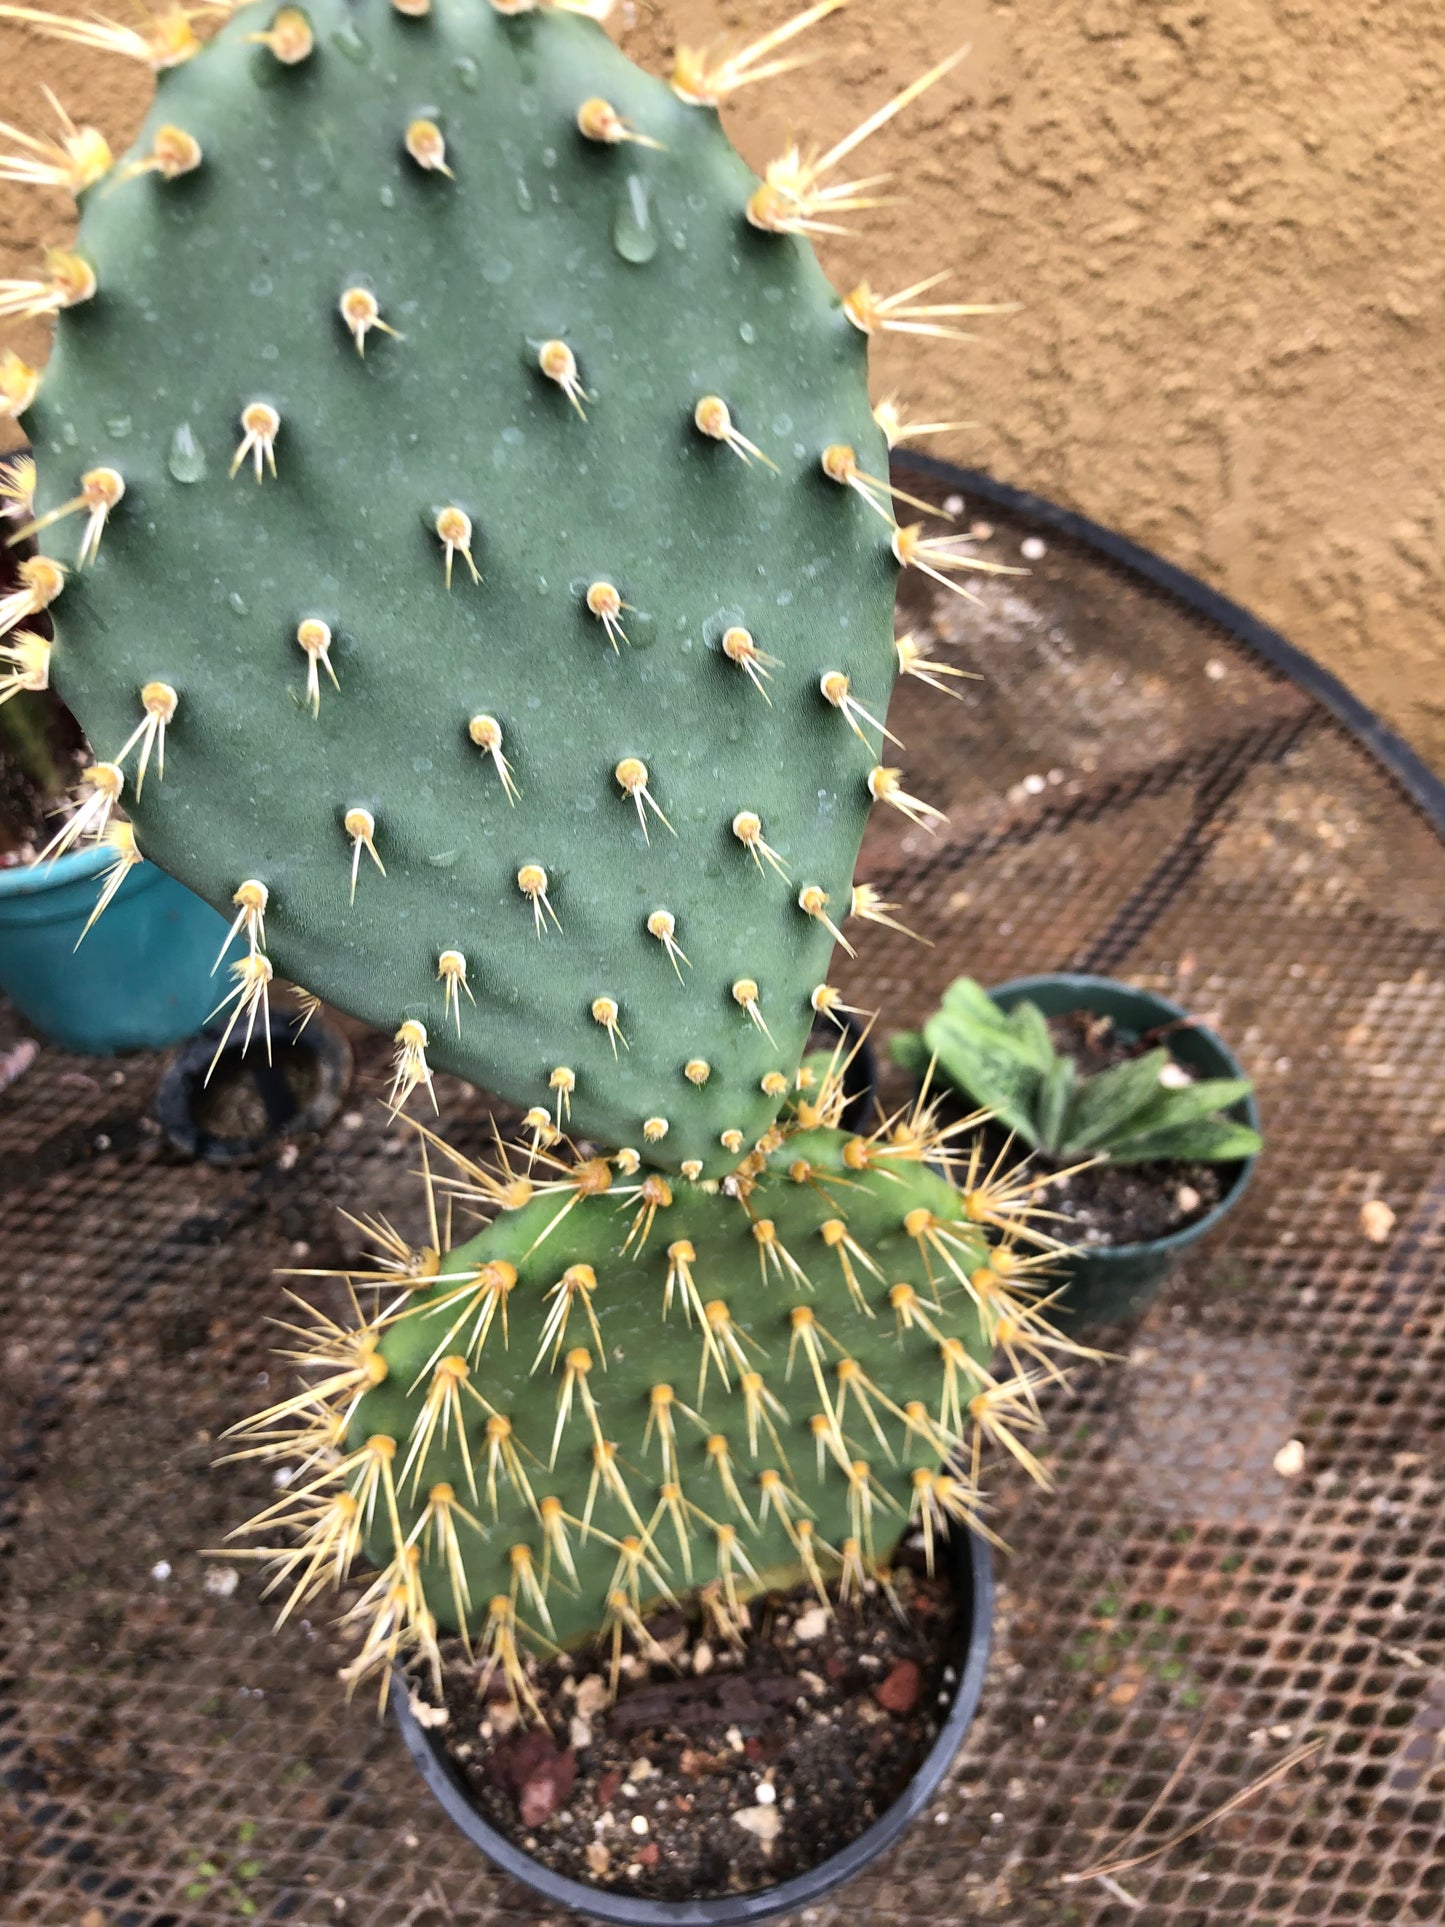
pixel 141 980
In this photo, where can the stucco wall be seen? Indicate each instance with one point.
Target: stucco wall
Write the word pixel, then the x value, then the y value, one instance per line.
pixel 1226 224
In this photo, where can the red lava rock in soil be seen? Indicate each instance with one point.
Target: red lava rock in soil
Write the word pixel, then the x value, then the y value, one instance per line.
pixel 538 1774
pixel 607 1788
pixel 899 1692
pixel 650 1854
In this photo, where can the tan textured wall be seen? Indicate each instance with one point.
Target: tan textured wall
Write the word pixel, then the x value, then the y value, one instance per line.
pixel 1226 221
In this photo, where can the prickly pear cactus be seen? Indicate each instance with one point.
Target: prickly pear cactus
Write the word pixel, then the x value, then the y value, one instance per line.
pixel 452 442
pixel 470 552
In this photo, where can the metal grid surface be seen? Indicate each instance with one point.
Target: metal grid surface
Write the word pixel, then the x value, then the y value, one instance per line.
pixel 1128 792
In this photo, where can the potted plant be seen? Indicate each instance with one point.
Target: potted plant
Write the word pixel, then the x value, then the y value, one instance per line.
pixel 143 981
pixel 1143 1129
pixel 526 705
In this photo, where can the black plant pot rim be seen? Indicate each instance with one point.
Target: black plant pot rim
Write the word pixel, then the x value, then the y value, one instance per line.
pixel 1240 1172
pixel 186 1076
pixel 971 1564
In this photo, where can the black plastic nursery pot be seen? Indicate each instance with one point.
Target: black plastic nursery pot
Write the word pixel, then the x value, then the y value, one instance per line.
pixel 297 1073
pixel 971 1569
pixel 1109 1284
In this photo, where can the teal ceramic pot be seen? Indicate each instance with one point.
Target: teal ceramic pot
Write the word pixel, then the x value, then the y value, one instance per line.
pixel 142 978
pixel 1117 1282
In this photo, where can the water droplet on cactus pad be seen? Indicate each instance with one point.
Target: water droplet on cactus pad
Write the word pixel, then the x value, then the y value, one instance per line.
pixel 353 44
pixel 465 69
pixel 633 233
pixel 186 459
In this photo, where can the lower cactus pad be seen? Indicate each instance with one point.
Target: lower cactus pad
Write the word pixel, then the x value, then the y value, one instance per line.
pixel 628 1387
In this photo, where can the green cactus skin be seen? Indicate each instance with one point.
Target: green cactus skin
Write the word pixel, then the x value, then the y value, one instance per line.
pixel 220 288
pixel 813 1178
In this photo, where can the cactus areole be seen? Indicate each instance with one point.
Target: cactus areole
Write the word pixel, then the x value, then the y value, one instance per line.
pixel 471 555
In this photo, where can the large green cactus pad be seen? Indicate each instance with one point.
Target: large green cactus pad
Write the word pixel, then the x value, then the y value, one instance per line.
pixel 219 289
pixel 830 1327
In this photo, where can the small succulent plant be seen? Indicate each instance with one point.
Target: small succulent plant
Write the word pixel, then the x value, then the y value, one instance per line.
pixel 1143 1109
pixel 483 593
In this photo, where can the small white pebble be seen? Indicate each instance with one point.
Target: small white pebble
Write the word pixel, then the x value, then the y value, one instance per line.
pixel 410 1840
pixel 282 1476
pixel 161 1569
pixel 1289 1461
pixel 221 1581
pixel 1377 1220
pixel 424 1713
pixel 579 1732
pixel 765 1794
pixel 734 1738
pixel 1187 1198
pixel 953 505
pixel 640 1769
pixel 980 531
pixel 1033 549
pixel 1034 784
pixel 628 1790
pixel 300 1249
pixel 764 1823
pixel 639 1822
pixel 1174 1077
pixel 352 1120
pixel 811 1624
pixel 1215 669
pixel 703 1658
pixel 592 1695
pixel 940 1819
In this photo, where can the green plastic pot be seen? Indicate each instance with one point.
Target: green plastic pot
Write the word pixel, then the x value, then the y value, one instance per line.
pixel 1109 1284
pixel 142 978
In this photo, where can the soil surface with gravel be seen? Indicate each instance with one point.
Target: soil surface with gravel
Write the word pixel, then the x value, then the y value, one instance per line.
pixel 736 1770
